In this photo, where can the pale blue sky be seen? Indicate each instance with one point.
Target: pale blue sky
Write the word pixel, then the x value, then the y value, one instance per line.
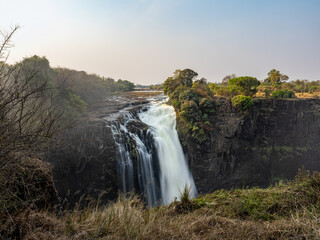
pixel 144 41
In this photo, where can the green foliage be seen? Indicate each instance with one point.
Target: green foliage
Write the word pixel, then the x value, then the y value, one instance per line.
pixel 283 94
pixel 224 90
pixel 125 85
pixel 198 133
pixel 275 77
pixel 90 87
pixel 181 78
pixel 267 204
pixel 176 104
pixel 77 102
pixel 242 102
pixel 190 111
pixel 206 105
pixel 193 101
pixel 189 95
pixel 244 85
pixel 267 92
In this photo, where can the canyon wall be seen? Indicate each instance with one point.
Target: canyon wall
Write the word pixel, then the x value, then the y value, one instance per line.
pixel 268 143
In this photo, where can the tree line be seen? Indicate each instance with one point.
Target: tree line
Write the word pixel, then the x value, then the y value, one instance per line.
pixel 196 100
pixel 37 101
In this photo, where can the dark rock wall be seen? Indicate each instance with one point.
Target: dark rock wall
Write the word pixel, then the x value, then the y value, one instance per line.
pixel 84 162
pixel 271 142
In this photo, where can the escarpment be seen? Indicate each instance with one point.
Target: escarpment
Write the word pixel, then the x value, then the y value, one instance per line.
pixel 268 143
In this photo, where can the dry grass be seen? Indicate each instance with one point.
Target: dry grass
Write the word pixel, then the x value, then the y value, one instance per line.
pixel 213 216
pixel 303 95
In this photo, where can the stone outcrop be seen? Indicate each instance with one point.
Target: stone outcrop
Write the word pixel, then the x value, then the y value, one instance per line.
pixel 268 143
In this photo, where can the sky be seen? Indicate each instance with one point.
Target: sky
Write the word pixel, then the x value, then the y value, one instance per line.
pixel 145 41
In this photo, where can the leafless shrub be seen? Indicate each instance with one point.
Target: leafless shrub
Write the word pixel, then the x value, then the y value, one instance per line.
pixel 28 115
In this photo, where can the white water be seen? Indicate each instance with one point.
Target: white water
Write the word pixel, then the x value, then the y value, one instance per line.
pixel 175 174
pixel 155 164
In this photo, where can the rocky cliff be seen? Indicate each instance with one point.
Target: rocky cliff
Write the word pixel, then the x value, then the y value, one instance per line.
pixel 84 157
pixel 268 143
pixel 256 148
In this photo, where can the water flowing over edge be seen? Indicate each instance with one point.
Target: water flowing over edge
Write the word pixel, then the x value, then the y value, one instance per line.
pixel 154 156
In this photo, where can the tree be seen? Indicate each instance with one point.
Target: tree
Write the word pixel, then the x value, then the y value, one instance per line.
pixel 275 77
pixel 244 85
pixel 226 79
pixel 181 78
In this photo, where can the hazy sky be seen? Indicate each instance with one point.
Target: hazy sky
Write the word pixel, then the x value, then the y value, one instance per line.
pixel 144 41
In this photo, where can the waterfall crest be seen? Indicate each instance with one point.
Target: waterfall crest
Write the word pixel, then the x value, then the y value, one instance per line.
pixel 152 161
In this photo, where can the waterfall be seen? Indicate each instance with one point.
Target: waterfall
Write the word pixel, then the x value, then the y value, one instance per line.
pixel 152 161
pixel 174 171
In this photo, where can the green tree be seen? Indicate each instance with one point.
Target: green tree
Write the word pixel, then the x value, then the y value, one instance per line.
pixel 181 78
pixel 275 77
pixel 226 79
pixel 244 85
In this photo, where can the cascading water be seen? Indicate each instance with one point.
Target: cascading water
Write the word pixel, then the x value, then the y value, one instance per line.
pixel 125 165
pixel 154 157
pixel 174 172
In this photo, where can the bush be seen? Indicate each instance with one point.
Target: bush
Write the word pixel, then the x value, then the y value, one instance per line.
pixel 176 104
pixel 190 111
pixel 242 102
pixel 189 95
pixel 223 91
pixel 206 105
pixel 244 85
pixel 283 94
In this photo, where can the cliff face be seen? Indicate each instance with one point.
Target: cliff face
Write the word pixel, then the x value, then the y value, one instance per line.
pixel 84 162
pixel 84 158
pixel 270 142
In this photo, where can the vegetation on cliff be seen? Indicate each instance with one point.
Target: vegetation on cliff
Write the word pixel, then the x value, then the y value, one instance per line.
pixel 196 100
pixel 193 102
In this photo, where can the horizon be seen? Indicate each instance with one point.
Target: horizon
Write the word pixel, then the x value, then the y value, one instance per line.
pixel 145 41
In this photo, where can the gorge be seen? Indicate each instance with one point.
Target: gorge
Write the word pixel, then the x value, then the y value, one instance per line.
pixel 270 143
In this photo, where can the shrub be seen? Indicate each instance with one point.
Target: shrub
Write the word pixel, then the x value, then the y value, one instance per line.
pixel 245 85
pixel 242 102
pixel 77 102
pixel 283 94
pixel 206 105
pixel 224 91
pixel 190 111
pixel 176 104
pixel 189 95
